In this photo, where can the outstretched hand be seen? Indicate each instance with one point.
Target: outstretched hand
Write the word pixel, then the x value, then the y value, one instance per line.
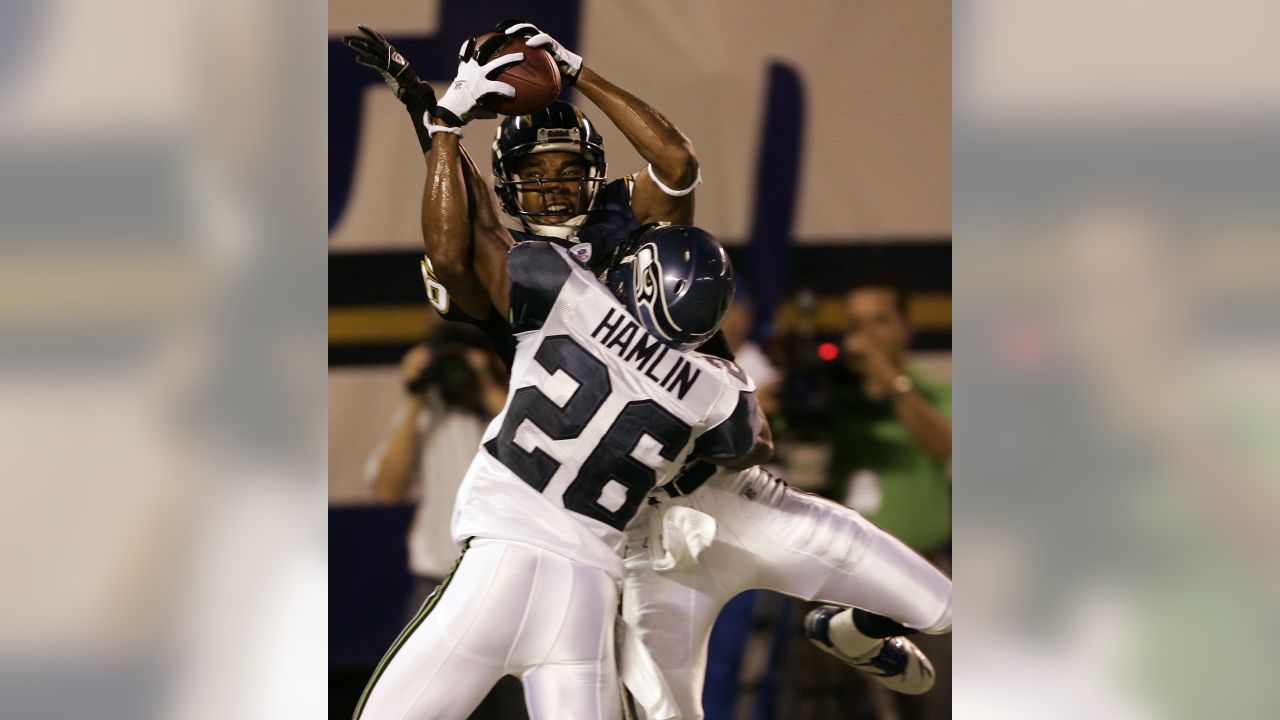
pixel 373 51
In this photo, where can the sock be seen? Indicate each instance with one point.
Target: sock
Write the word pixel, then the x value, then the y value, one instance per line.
pixel 844 635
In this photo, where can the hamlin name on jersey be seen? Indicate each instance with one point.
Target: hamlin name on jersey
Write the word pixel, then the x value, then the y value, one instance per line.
pixel 599 412
pixel 624 336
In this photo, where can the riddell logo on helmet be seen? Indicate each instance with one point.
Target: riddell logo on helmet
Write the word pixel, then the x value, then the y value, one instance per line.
pixel 555 134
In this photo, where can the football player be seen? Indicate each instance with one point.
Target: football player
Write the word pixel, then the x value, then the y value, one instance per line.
pixel 550 170
pixel 774 537
pixel 768 535
pixel 549 167
pixel 607 401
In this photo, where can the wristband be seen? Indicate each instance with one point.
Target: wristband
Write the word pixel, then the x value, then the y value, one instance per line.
pixel 433 129
pixel 420 129
pixel 446 115
pixel 675 193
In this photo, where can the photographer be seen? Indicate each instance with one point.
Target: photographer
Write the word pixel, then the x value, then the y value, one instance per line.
pixel 891 446
pixel 453 386
pixel 891 423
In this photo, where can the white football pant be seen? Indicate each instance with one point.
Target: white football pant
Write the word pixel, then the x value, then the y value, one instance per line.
pixel 508 608
pixel 773 537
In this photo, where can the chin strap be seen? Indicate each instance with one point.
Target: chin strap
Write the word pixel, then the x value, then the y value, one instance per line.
pixel 564 231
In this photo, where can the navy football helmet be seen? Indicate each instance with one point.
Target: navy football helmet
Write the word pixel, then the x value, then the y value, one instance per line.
pixel 676 280
pixel 560 127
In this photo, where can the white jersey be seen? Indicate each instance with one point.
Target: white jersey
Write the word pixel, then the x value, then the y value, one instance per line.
pixel 599 413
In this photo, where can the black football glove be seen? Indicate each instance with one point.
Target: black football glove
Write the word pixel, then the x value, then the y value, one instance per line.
pixel 373 50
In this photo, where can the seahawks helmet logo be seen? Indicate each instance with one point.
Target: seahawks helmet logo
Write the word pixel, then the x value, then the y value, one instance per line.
pixel 648 274
pixel 650 300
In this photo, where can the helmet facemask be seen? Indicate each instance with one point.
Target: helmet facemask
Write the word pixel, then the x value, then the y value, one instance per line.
pixel 552 194
pixel 547 201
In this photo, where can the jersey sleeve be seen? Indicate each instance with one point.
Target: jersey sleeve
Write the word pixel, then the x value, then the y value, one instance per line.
pixel 717 346
pixel 538 272
pixel 736 435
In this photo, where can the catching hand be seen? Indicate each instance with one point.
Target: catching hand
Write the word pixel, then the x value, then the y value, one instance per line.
pixel 461 103
pixel 570 64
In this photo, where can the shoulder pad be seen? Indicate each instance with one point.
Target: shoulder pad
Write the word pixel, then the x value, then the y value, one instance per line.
pixel 538 270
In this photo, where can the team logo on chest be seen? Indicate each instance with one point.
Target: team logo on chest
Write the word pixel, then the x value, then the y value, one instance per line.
pixel 581 252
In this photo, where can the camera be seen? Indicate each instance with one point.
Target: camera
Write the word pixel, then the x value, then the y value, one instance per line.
pixel 450 372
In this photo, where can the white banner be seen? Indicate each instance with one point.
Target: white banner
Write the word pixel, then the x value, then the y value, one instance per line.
pixel 875 112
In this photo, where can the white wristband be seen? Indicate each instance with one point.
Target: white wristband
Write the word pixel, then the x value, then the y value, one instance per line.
pixel 433 129
pixel 675 193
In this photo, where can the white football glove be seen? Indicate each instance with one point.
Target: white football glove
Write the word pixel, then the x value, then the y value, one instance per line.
pixel 461 103
pixel 570 64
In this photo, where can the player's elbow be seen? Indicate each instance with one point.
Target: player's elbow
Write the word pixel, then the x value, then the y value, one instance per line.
pixel 677 165
pixel 761 453
pixel 449 265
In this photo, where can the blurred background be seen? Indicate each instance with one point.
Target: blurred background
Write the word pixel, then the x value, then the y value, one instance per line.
pixel 162 310
pixel 1117 356
pixel 823 131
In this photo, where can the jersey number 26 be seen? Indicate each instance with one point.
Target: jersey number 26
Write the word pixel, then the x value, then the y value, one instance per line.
pixel 611 460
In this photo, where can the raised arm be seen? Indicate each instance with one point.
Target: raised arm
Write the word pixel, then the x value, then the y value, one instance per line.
pixel 664 189
pixel 446 221
pixel 447 227
pixel 491 240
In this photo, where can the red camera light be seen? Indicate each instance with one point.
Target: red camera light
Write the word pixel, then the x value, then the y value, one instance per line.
pixel 828 351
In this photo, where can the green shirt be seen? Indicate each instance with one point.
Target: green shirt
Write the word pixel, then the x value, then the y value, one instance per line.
pixel 899 487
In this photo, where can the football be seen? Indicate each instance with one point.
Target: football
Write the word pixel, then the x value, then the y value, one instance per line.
pixel 536 79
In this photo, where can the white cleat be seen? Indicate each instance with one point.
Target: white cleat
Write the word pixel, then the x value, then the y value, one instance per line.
pixel 895 662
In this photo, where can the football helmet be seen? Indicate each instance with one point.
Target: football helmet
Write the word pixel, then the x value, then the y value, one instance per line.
pixel 560 127
pixel 676 280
